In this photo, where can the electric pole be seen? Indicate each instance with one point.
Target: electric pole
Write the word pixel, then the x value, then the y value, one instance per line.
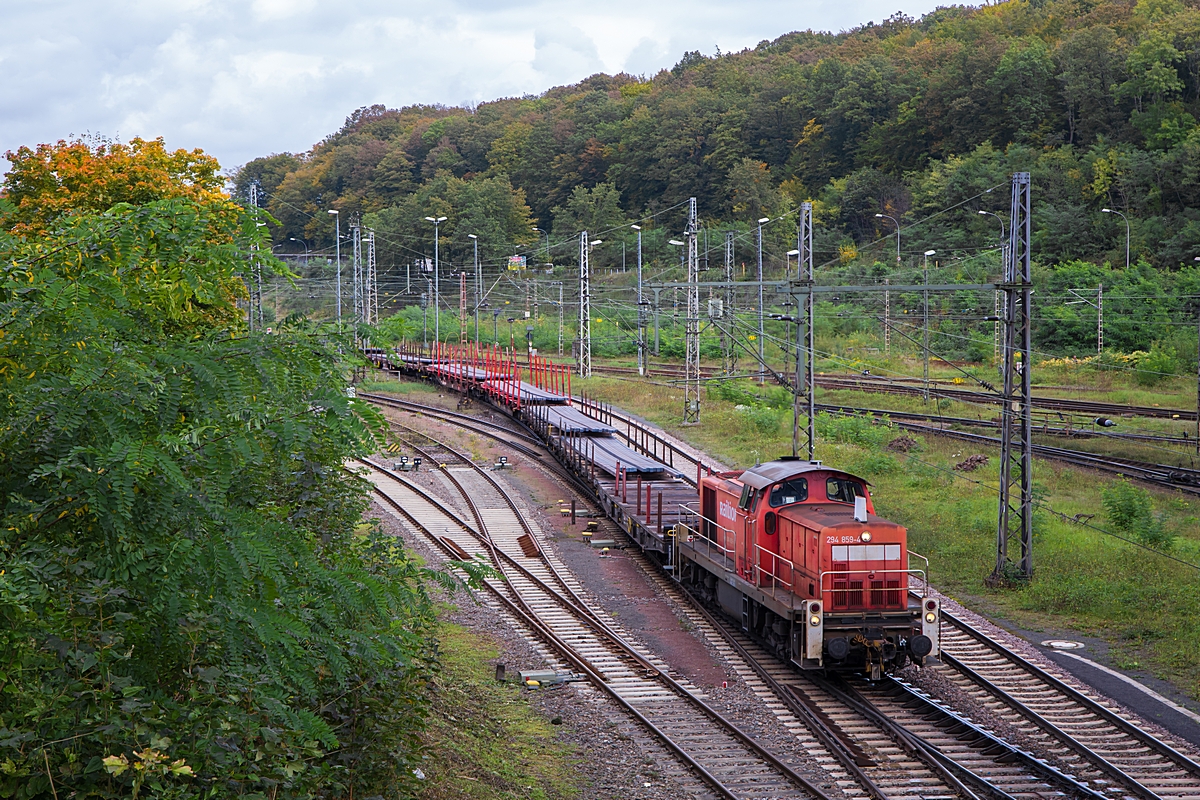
pixel 356 270
pixel 641 308
pixel 691 387
pixel 1015 521
pixel 585 307
pixel 372 299
pixel 728 351
pixel 805 381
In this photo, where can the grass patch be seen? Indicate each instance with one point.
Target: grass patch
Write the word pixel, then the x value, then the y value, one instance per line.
pixel 484 741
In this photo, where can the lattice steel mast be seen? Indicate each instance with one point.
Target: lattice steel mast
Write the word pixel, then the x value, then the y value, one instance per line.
pixel 356 269
pixel 728 351
pixel 804 397
pixel 372 287
pixel 584 352
pixel 1016 457
pixel 254 311
pixel 691 386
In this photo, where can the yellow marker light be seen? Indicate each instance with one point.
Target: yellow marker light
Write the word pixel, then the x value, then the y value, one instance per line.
pixel 814 620
pixel 931 618
pixel 866 536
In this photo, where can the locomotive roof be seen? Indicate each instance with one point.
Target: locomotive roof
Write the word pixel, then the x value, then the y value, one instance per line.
pixel 763 475
pixel 819 516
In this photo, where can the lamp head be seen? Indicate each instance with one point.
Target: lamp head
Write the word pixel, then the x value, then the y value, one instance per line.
pixel 333 211
pixel 636 227
pixel 764 220
pixel 472 236
pixel 1106 210
pixel 676 242
pixel 981 213
pixel 793 252
pixel 880 216
pixel 595 242
pixel 930 252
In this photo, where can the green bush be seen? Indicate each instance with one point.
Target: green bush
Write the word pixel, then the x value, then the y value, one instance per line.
pixel 863 430
pixel 1130 510
pixel 1160 363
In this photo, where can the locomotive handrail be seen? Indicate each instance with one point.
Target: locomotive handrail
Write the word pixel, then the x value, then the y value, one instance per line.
pixel 912 555
pixel 908 572
pixel 776 580
pixel 727 554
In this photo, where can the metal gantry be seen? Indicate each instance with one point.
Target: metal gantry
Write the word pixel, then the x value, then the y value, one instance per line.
pixel 1015 524
pixel 584 350
pixel 691 372
pixel 356 270
pixel 254 312
pixel 371 301
pixel 462 308
pixel 804 395
pixel 728 351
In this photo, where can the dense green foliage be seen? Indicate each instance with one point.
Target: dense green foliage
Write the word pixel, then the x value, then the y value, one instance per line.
pixel 188 606
pixel 905 117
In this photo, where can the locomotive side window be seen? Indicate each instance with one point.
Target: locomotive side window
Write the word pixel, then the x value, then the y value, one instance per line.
pixel 747 497
pixel 843 490
pixel 788 492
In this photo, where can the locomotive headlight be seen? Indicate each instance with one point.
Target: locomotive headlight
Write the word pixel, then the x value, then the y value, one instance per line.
pixel 814 620
pixel 866 536
pixel 931 617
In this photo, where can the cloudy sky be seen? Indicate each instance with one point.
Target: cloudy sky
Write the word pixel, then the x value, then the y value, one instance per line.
pixel 243 79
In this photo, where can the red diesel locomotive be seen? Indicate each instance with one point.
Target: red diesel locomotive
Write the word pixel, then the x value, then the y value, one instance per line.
pixel 794 550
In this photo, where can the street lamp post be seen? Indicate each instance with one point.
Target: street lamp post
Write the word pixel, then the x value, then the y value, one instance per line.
pixel 895 222
pixel 437 306
pixel 302 244
pixel 547 235
pixel 337 226
pixel 795 253
pixel 1122 216
pixel 478 284
pixel 762 375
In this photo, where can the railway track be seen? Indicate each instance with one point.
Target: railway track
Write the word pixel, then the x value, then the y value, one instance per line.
pixel 1082 732
pixel 730 762
pixel 896 741
pixel 1084 747
pixel 1077 730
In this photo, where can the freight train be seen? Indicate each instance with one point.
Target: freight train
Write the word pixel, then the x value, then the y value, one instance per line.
pixel 790 548
pixel 793 549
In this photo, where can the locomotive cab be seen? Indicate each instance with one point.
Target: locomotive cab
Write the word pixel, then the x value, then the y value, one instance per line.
pixel 795 551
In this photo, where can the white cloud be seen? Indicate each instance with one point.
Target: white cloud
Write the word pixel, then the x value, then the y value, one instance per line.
pixel 242 79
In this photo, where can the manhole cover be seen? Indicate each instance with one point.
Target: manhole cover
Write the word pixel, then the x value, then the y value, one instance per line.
pixel 1062 644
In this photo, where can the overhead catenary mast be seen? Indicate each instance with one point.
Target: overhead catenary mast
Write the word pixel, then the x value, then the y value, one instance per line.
pixel 584 351
pixel 691 387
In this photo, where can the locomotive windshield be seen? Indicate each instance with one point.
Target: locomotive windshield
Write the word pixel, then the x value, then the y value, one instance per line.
pixel 843 490
pixel 788 492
